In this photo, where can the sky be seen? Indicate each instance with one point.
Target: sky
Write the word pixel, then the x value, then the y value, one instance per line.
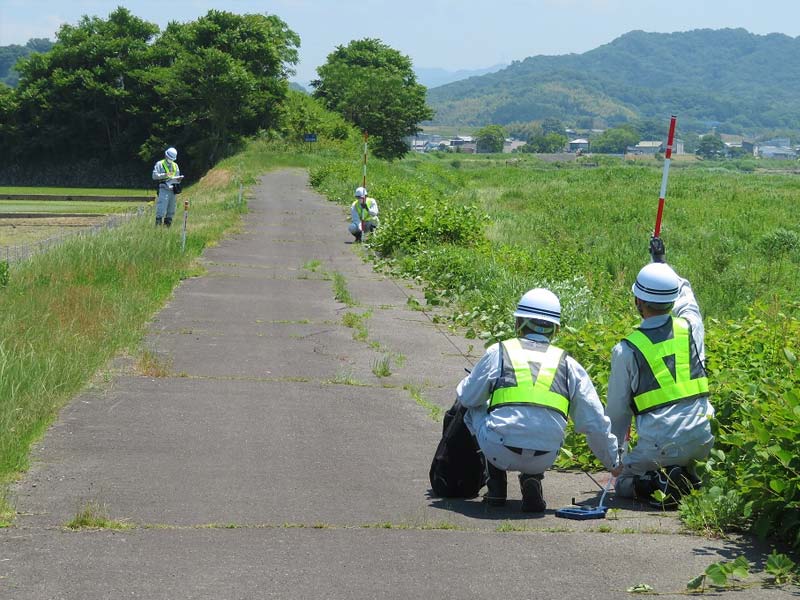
pixel 446 34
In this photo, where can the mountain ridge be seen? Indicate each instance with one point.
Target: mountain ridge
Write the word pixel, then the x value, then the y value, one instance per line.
pixel 727 77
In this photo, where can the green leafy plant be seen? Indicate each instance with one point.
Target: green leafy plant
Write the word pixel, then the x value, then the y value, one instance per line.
pixel 781 568
pixel 721 574
pixel 4 274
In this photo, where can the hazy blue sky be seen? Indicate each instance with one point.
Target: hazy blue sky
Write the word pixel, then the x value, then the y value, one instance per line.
pixel 451 34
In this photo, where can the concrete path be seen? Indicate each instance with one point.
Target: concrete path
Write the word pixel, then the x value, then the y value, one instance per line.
pixel 269 460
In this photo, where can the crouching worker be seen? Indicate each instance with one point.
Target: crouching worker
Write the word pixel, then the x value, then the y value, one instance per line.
pixel 519 397
pixel 658 376
pixel 363 214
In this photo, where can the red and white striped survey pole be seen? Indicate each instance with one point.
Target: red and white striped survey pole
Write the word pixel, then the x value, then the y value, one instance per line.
pixel 665 176
pixel 364 182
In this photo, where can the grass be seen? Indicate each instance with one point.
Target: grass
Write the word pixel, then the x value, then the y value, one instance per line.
pixel 7 511
pixel 67 206
pixel 105 192
pixel 435 411
pixel 345 378
pixel 152 365
pixel 358 323
pixel 340 291
pixel 381 366
pixel 94 516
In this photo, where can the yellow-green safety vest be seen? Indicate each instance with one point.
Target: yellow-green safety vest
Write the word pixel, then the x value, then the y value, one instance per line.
pixel 659 387
pixel 363 212
pixel 533 380
pixel 170 168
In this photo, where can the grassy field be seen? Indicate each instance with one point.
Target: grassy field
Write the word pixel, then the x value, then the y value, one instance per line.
pixel 101 192
pixel 39 206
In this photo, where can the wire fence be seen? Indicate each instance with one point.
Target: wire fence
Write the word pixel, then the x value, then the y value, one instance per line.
pixel 18 253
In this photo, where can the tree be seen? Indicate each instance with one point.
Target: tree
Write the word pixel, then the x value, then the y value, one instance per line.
pixel 218 79
pixel 491 138
pixel 81 97
pixel 552 125
pixel 615 141
pixel 710 146
pixel 547 144
pixel 374 87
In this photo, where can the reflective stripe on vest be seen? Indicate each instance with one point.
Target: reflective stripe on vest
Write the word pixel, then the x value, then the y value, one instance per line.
pixel 171 169
pixel 670 389
pixel 535 372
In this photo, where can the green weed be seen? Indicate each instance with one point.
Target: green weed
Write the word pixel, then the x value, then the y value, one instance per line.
pixel 340 291
pixel 435 411
pixel 381 367
pixel 345 378
pixel 152 365
pixel 94 516
pixel 358 323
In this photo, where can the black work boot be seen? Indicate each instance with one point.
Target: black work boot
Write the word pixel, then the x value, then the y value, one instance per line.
pixel 532 494
pixel 496 486
pixel 158 221
pixel 357 235
pixel 167 221
pixel 675 482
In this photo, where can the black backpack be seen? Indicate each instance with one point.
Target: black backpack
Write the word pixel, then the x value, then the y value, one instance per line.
pixel 458 469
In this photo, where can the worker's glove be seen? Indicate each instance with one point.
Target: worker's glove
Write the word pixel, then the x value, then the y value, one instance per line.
pixel 657 251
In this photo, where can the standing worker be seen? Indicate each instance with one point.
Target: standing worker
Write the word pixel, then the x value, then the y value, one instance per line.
pixel 363 214
pixel 519 397
pixel 658 375
pixel 168 176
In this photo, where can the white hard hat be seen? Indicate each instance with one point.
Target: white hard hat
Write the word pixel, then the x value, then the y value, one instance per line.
pixel 656 283
pixel 540 304
pixel 171 153
pixel 361 192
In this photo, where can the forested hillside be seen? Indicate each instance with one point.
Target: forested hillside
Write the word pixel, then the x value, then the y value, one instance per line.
pixel 727 78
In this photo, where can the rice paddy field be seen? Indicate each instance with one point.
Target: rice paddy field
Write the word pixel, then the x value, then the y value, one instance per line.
pixel 30 215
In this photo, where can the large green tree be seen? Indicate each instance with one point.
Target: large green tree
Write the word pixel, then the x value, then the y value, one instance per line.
pixel 490 138
pixel 615 140
pixel 217 80
pixel 374 87
pixel 81 97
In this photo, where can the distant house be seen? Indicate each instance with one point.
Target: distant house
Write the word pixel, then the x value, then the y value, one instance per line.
pixel 509 145
pixel 579 144
pixel 646 147
pixel 777 152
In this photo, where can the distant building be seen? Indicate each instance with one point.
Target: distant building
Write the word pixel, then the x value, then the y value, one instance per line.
pixel 777 152
pixel 509 145
pixel 646 147
pixel 579 144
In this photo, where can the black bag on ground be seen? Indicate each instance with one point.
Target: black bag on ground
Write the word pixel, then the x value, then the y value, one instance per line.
pixel 458 469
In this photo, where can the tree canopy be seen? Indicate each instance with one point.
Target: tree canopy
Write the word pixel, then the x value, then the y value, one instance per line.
pixel 117 89
pixel 374 87
pixel 615 140
pixel 490 138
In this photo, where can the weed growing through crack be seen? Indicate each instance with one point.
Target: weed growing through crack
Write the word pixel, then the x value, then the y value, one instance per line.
pixel 357 322
pixel 7 511
pixel 345 378
pixel 340 291
pixel 95 516
pixel 151 365
pixel 381 367
pixel 435 411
